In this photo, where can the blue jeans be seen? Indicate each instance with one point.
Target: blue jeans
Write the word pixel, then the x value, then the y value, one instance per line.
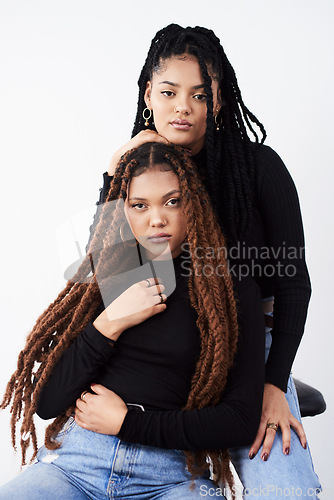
pixel 285 476
pixel 95 466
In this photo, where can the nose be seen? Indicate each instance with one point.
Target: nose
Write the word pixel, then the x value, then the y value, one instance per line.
pixel 182 106
pixel 157 219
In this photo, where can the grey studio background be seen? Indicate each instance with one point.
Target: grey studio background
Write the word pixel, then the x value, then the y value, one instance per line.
pixel 68 93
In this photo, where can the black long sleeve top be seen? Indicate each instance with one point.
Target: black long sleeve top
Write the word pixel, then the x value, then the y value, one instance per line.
pixel 273 253
pixel 152 364
pixel 277 231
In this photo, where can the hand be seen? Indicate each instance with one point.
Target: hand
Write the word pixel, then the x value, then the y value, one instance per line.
pixel 276 410
pixel 102 412
pixel 136 141
pixel 138 303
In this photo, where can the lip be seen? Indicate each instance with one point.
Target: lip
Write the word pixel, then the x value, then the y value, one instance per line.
pixel 181 124
pixel 159 237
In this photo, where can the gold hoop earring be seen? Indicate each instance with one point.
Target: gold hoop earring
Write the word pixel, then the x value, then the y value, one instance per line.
pixel 218 123
pixel 126 241
pixel 146 118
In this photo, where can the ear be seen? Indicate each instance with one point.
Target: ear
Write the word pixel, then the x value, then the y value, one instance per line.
pixel 219 100
pixel 147 94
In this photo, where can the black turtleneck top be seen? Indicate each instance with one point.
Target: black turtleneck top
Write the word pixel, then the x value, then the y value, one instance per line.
pixel 152 364
pixel 273 253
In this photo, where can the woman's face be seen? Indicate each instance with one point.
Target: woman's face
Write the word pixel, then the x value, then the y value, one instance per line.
pixel 153 210
pixel 178 102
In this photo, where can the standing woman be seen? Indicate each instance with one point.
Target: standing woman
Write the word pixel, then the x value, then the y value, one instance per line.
pixel 189 96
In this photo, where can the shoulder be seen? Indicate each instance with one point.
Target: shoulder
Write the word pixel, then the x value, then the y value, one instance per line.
pixel 266 159
pixel 271 174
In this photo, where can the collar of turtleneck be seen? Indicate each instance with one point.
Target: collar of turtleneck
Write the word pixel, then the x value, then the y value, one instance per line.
pixel 200 158
pixel 200 161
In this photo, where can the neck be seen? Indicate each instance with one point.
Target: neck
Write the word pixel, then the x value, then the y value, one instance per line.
pixel 166 255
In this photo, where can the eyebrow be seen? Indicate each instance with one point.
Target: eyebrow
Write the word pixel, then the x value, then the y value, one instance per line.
pixel 172 84
pixel 164 196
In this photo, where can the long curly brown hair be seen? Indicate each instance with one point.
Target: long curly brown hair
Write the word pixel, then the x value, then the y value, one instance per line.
pixel 211 296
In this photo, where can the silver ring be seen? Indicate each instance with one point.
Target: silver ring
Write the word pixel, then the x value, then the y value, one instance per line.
pixel 82 397
pixel 161 298
pixel 148 283
pixel 135 404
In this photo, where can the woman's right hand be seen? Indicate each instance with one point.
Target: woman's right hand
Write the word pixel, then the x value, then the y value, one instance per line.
pixel 141 138
pixel 138 303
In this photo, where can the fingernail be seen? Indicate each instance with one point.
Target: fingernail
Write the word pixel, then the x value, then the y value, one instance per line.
pixel 265 457
pixel 251 456
pixel 287 450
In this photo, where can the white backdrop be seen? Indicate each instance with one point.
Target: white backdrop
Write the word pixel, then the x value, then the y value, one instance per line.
pixel 68 92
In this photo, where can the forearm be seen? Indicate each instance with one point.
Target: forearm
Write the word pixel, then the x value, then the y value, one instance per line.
pixel 217 427
pixel 76 369
pixel 290 310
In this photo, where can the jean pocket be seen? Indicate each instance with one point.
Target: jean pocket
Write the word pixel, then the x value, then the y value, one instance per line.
pixel 67 427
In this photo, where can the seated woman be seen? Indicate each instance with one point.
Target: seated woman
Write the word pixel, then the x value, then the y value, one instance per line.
pixel 172 347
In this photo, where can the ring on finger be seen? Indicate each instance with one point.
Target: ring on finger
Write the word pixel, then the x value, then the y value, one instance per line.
pixel 82 397
pixel 272 425
pixel 161 298
pixel 148 283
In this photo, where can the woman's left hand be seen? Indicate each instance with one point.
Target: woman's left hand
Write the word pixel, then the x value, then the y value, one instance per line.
pixel 102 412
pixel 275 410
